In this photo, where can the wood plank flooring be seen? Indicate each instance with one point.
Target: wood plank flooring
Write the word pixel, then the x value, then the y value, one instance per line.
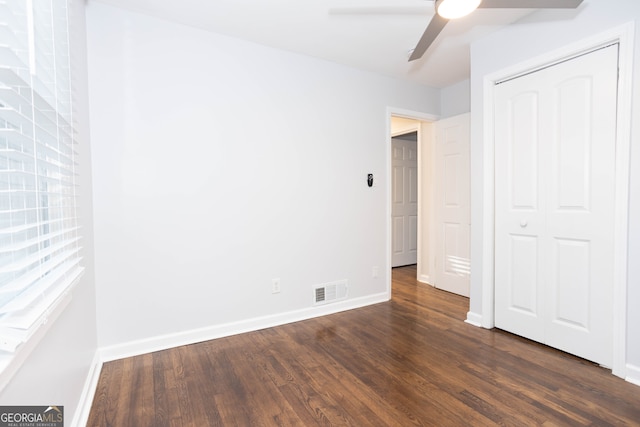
pixel 411 361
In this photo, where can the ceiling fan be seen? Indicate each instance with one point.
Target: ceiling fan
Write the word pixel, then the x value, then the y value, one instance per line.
pixel 447 10
pixel 453 9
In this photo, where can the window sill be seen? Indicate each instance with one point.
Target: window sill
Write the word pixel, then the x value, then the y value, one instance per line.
pixel 10 363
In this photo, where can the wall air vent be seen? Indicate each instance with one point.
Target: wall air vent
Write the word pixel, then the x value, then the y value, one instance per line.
pixel 329 292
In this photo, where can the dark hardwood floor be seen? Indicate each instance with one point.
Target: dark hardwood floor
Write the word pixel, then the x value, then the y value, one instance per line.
pixel 410 361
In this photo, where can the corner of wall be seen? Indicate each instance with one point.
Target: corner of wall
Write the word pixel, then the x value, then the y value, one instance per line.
pixel 88 392
pixel 474 319
pixel 633 374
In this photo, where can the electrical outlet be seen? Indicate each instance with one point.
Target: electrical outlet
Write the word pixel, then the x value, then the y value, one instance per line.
pixel 275 286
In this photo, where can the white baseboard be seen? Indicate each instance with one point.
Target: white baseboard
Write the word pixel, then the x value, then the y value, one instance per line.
pixel 424 278
pixel 474 319
pixel 163 342
pixel 633 374
pixel 88 392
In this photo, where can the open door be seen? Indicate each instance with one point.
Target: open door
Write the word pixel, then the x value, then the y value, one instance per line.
pixel 452 205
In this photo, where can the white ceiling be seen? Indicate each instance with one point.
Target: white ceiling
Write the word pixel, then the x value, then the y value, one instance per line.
pixel 374 35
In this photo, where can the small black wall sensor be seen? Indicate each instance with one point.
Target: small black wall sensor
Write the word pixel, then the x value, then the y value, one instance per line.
pixel 370 180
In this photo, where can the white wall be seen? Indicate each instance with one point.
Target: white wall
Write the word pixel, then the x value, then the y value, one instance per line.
pixel 544 32
pixel 57 371
pixel 221 164
pixel 455 99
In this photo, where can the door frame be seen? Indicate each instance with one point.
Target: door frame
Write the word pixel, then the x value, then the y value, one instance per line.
pixel 422 117
pixel 623 35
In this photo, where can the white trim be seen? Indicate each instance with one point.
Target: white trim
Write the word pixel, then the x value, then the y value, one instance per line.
pixel 424 278
pixel 474 319
pixel 633 374
pixel 621 209
pixel 410 129
pixel 488 197
pixel 624 35
pixel 411 114
pixel 163 342
pixel 429 176
pixel 88 392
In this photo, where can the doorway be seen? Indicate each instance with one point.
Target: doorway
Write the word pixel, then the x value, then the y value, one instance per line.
pixel 400 123
pixel 442 199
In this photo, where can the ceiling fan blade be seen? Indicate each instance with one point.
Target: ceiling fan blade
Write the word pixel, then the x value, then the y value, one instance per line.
pixel 530 4
pixel 433 29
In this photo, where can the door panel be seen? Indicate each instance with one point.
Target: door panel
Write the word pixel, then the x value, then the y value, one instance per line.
pixel 570 285
pixel 520 280
pixel 451 185
pixel 522 152
pixel 574 152
pixel 398 183
pixel 554 184
pixel 523 274
pixel 398 234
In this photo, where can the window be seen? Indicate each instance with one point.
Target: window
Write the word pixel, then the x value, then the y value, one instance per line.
pixel 39 237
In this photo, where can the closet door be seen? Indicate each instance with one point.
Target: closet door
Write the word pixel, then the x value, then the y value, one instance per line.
pixel 554 204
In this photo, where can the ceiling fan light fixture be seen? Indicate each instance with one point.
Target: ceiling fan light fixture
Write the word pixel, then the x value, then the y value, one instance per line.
pixel 452 9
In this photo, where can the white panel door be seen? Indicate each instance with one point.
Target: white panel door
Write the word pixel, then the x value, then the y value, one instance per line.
pixel 404 209
pixel 554 204
pixel 452 205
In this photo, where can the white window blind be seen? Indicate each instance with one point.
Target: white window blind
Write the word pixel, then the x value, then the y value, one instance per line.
pixel 39 237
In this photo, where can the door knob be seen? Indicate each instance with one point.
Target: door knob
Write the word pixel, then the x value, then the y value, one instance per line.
pixel 523 223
